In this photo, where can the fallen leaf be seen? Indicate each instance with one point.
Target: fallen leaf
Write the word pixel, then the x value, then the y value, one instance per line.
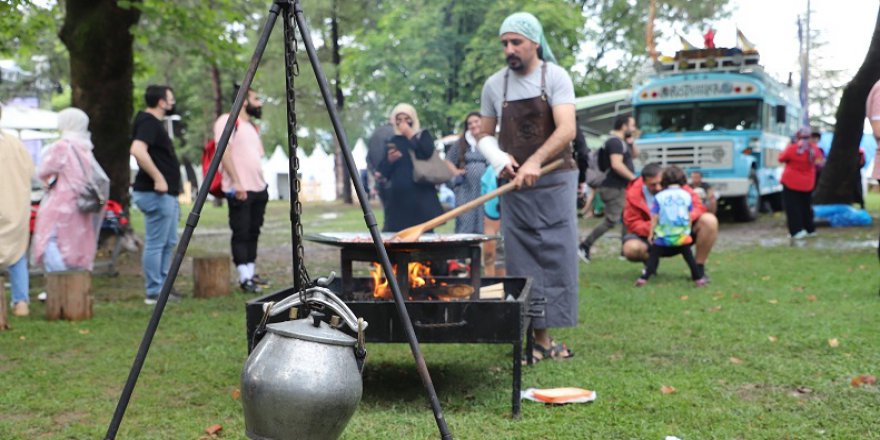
pixel 865 379
pixel 798 288
pixel 861 267
pixel 833 342
pixel 773 301
pixel 765 278
pixel 215 314
pixel 22 338
pixel 735 360
pixel 213 429
pixel 811 297
pixel 495 369
pixel 735 296
pixel 772 338
pixel 236 393
pixel 714 309
pixel 84 331
pixel 718 296
pixel 683 298
pixel 666 389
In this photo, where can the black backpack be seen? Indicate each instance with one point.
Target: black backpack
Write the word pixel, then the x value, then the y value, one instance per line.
pixel 603 161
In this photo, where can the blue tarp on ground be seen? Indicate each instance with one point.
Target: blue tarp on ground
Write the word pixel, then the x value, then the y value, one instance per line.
pixel 841 215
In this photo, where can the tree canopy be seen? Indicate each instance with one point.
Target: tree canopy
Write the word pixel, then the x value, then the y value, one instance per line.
pixel 433 54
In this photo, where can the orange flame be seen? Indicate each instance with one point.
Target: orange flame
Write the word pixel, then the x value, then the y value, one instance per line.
pixel 419 275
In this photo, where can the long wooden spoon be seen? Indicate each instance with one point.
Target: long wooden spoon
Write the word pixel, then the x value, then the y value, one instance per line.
pixel 413 233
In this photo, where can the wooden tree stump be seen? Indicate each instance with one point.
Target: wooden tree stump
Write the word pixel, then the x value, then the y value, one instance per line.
pixel 4 323
pixel 68 295
pixel 211 276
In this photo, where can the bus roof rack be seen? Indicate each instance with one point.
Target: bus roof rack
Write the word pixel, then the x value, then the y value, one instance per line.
pixel 709 60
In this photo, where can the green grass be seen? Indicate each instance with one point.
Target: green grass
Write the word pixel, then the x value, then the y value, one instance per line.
pixel 61 380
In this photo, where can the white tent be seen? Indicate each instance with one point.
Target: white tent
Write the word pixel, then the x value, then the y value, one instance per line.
pixel 318 175
pixel 359 152
pixel 22 118
pixel 276 173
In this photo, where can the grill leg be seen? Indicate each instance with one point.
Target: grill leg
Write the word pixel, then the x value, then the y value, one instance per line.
pixel 517 378
pixel 475 269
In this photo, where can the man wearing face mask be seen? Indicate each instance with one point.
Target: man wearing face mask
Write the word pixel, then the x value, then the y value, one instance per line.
pixel 613 189
pixel 156 187
pixel 246 190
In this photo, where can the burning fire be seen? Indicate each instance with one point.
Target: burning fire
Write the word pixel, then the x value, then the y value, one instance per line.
pixel 419 276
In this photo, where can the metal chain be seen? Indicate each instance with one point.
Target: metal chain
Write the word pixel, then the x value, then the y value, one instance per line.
pixel 301 275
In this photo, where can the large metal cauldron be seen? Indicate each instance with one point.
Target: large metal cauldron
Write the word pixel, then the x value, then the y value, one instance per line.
pixel 303 380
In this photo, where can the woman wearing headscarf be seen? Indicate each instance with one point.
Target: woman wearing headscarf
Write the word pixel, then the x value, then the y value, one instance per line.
pixel 17 169
pixel 65 238
pixel 409 203
pixel 470 166
pixel 798 180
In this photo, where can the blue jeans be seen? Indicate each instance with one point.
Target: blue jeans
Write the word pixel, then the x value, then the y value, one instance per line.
pixel 52 259
pixel 161 214
pixel 18 277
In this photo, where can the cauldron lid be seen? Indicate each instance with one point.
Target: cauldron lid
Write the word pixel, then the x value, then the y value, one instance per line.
pixel 305 329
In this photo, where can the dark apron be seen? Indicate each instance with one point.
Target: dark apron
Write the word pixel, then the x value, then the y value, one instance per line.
pixel 527 123
pixel 540 223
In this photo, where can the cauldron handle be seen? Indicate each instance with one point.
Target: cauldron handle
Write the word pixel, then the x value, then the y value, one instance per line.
pixel 320 295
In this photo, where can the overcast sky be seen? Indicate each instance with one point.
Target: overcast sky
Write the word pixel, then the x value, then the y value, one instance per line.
pixel 846 26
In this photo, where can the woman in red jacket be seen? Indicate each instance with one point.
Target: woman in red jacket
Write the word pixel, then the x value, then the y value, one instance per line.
pixel 798 181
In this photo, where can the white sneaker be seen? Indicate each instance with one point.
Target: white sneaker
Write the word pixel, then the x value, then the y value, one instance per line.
pixel 812 234
pixel 800 235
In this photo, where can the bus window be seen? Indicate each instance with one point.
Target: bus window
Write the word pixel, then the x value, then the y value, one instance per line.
pixel 700 116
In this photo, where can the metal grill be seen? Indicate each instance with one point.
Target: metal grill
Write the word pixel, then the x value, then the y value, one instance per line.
pixel 704 155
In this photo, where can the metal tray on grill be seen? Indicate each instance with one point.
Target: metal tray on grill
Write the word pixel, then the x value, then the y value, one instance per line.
pixel 364 240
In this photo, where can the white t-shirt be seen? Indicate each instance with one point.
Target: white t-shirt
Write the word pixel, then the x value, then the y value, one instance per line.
pixel 558 87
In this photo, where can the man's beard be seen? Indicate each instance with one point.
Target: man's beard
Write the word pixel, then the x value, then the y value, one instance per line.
pixel 515 62
pixel 253 111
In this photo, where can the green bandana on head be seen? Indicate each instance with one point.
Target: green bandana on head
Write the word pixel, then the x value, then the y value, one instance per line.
pixel 528 26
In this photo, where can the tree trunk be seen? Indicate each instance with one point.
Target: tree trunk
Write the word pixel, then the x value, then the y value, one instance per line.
pixel 68 295
pixel 4 319
pixel 842 167
pixel 649 30
pixel 218 93
pixel 343 183
pixel 97 34
pixel 211 276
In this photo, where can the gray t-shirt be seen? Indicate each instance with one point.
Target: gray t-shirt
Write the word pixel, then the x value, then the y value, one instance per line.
pixel 558 86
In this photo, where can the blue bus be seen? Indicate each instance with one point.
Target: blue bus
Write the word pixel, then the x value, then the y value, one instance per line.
pixel 716 111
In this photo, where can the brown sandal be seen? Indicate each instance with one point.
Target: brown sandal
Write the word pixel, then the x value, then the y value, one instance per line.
pixel 556 352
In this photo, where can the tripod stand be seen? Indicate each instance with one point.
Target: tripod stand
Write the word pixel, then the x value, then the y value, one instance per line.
pixel 290 11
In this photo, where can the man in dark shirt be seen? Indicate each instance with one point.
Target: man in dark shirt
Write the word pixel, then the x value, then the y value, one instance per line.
pixel 613 189
pixel 377 147
pixel 156 187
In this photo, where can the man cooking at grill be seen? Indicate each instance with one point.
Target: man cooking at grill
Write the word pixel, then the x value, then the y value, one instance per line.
pixel 533 99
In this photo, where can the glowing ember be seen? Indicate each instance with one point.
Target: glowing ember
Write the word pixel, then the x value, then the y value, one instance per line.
pixel 419 276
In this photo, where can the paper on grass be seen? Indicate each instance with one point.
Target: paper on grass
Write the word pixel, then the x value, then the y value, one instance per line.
pixel 558 395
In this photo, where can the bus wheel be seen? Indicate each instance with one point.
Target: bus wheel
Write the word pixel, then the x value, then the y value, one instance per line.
pixel 745 208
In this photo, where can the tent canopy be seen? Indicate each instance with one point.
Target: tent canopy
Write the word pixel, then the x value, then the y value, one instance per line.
pixel 22 118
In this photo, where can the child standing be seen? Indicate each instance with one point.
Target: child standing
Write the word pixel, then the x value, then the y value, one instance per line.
pixel 671 227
